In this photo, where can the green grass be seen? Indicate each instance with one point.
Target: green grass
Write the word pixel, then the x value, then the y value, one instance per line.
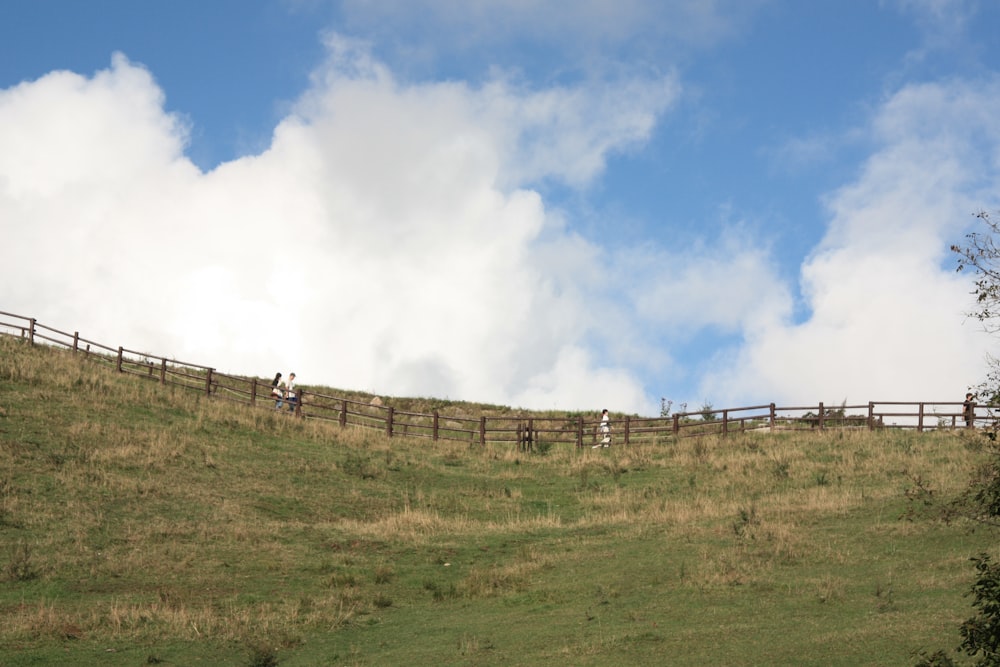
pixel 146 525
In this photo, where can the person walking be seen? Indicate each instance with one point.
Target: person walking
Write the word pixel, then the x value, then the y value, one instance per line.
pixel 605 430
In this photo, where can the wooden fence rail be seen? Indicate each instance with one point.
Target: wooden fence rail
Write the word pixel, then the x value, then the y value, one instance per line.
pixel 525 432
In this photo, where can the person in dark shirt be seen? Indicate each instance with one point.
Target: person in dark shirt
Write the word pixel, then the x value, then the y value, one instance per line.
pixel 969 410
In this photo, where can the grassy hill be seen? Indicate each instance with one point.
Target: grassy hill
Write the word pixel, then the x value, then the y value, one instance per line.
pixel 145 525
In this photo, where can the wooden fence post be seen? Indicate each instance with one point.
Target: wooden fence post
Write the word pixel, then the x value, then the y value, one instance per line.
pixel 253 391
pixel 118 365
pixel 871 415
pixel 725 423
pixel 208 382
pixel 436 420
pixel 76 341
pixel 677 424
pixel 343 413
pixel 299 393
pixel 388 421
pixel 163 371
pixel 31 331
pixel 820 415
pixel 627 428
pixel 920 417
pixel 482 430
pixel 772 418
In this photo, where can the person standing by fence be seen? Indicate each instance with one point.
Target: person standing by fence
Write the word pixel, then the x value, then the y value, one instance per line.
pixel 290 395
pixel 969 410
pixel 282 392
pixel 276 388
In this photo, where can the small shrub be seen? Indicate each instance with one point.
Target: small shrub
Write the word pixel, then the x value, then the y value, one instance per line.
pixel 6 491
pixel 262 656
pixel 919 499
pixel 981 633
pixel 743 527
pixel 361 466
pixel 20 567
pixel 936 659
pixel 343 580
pixel 438 592
pixel 384 574
pixel 885 600
pixel 468 644
pixel 700 450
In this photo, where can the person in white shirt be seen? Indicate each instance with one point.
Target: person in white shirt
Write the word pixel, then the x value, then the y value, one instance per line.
pixel 605 430
pixel 290 395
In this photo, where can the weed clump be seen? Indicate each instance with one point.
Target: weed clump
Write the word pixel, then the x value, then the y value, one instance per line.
pixel 20 566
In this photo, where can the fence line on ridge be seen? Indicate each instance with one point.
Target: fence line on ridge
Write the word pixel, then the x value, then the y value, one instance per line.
pixel 524 431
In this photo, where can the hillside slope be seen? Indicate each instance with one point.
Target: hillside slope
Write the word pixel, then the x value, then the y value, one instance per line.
pixel 145 525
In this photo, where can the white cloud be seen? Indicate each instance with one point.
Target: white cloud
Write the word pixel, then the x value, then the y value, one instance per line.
pixel 943 25
pixel 727 287
pixel 388 238
pixel 940 19
pixel 886 304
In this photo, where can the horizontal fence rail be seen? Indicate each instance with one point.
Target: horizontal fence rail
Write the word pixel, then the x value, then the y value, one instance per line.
pixel 524 432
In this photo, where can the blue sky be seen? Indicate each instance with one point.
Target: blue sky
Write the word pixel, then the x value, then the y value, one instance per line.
pixel 539 204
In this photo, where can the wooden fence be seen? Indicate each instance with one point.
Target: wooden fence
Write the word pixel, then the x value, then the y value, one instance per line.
pixel 525 432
